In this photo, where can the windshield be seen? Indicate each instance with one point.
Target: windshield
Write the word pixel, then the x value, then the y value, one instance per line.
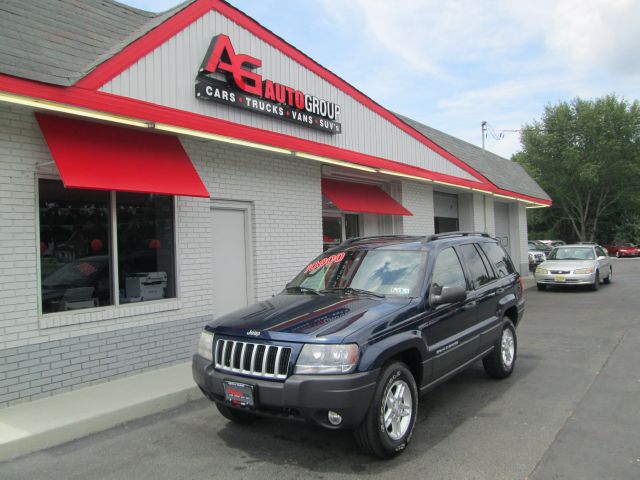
pixel 572 253
pixel 383 272
pixel 79 273
pixel 541 247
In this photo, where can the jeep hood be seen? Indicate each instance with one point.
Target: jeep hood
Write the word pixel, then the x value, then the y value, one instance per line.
pixel 292 316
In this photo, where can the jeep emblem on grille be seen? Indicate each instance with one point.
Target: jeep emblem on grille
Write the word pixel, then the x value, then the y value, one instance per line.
pixel 253 333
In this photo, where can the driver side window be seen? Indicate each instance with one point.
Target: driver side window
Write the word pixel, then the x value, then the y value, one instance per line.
pixel 447 271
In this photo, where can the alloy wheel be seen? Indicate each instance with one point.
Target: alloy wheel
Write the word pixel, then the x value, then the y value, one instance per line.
pixel 398 408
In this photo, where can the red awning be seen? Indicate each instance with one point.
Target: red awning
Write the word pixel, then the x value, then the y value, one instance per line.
pixel 106 157
pixel 358 197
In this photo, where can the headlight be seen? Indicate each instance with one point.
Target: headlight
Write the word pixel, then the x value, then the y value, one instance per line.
pixel 316 358
pixel 582 271
pixel 205 345
pixel 542 271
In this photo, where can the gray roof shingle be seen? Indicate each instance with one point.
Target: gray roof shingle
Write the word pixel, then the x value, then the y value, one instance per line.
pixel 500 171
pixel 60 41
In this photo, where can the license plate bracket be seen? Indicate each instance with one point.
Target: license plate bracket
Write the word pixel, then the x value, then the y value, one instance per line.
pixel 239 394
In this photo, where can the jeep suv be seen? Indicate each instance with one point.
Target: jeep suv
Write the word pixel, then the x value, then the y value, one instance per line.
pixel 362 331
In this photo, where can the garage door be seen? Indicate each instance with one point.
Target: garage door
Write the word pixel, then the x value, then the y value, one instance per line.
pixel 231 259
pixel 501 216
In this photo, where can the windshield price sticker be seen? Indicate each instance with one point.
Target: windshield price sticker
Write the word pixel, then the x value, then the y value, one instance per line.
pixel 324 262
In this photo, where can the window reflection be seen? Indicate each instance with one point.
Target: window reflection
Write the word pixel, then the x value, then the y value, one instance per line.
pixel 145 247
pixel 74 247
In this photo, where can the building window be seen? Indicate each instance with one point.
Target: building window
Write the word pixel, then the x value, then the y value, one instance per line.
pixel 443 225
pixel 145 247
pixel 78 247
pixel 336 228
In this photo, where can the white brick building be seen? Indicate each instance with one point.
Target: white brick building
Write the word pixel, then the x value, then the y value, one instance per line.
pixel 78 259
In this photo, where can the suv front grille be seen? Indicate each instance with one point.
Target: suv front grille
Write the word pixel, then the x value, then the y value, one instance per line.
pixel 255 359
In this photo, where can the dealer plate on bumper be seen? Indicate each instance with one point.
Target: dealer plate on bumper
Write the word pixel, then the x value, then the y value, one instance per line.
pixel 240 394
pixel 559 278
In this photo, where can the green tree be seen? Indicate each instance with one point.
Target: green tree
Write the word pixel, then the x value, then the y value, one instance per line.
pixel 586 155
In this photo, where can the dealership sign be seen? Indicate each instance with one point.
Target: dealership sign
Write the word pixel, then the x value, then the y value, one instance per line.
pixel 230 78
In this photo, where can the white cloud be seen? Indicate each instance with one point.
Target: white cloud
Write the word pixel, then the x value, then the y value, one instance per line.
pixel 593 33
pixel 430 35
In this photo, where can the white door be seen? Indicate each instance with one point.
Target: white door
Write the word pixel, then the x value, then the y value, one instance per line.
pixel 231 260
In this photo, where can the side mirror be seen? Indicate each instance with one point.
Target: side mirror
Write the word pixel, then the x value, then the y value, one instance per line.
pixel 449 294
pixel 602 257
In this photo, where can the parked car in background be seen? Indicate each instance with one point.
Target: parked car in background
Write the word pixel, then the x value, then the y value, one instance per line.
pixel 623 250
pixel 536 257
pixel 576 264
pixel 552 243
pixel 541 247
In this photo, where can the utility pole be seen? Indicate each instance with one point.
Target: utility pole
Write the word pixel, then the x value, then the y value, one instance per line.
pixel 484 132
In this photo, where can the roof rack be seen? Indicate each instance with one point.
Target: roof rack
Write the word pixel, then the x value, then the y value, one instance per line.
pixel 350 241
pixel 438 236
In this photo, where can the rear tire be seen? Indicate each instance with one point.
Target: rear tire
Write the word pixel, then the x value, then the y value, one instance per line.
pixel 236 416
pixel 502 359
pixel 609 277
pixel 542 287
pixel 385 432
pixel 596 284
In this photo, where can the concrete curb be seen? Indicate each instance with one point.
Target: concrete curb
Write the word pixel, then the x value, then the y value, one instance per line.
pixel 529 282
pixel 47 422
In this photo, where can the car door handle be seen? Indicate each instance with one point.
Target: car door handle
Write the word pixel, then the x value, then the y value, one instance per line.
pixel 499 291
pixel 470 305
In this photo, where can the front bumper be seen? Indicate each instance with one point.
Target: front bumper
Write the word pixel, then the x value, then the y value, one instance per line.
pixel 565 279
pixel 304 397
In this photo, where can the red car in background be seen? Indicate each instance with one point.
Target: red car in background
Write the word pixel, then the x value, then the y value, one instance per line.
pixel 623 250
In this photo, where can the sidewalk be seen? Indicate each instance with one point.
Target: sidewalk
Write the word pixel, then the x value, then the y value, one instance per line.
pixel 43 423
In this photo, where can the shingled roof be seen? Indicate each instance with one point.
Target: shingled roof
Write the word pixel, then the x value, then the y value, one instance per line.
pixel 500 171
pixel 60 41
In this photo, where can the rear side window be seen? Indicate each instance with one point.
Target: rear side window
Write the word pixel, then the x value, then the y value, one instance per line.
pixel 499 258
pixel 447 272
pixel 477 269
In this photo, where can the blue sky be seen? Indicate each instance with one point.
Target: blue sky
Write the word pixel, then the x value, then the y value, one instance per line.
pixel 453 64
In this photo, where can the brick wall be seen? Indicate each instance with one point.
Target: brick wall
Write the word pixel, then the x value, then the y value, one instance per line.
pixel 418 199
pixel 287 230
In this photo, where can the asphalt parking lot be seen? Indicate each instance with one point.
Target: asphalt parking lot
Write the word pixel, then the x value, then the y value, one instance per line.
pixel 571 410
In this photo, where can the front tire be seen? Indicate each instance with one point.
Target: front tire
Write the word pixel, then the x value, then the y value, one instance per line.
pixel 391 418
pixel 596 284
pixel 609 277
pixel 542 287
pixel 502 359
pixel 236 416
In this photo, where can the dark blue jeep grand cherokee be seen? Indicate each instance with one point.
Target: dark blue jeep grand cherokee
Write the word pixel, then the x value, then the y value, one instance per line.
pixel 363 331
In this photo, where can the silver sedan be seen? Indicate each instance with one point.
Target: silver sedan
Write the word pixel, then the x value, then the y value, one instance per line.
pixel 577 264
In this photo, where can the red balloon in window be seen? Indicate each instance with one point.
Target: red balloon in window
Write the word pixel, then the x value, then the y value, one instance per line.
pixel 154 244
pixel 96 245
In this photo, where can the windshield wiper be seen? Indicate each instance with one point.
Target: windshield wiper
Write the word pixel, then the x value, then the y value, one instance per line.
pixel 357 291
pixel 299 288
